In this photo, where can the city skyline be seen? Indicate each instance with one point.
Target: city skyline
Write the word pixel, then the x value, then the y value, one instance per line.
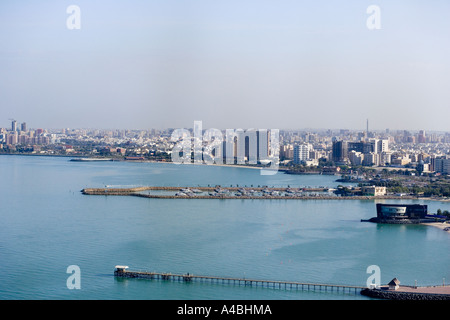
pixel 7 125
pixel 252 64
pixel 426 152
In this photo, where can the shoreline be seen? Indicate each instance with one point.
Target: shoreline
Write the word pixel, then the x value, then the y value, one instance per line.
pixel 140 161
pixel 439 225
pixel 281 170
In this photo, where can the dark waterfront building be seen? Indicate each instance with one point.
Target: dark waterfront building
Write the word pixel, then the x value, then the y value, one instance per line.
pixel 401 211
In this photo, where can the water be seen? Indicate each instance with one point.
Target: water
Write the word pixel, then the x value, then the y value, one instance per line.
pixel 47 225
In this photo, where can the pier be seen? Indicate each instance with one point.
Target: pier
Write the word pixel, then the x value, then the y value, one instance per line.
pixel 123 272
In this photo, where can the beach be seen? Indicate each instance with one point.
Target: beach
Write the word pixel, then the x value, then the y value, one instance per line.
pixel 440 225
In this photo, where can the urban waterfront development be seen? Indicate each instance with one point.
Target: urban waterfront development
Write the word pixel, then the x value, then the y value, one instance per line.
pixel 404 162
pixel 252 154
pixel 326 185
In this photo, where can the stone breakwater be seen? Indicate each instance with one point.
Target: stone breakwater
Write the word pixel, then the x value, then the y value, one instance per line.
pixel 242 193
pixel 403 295
pixel 171 188
pixel 114 191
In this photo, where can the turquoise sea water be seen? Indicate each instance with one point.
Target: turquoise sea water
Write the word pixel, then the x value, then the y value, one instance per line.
pixel 46 225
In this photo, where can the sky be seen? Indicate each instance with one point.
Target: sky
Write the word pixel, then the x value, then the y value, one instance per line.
pixel 280 64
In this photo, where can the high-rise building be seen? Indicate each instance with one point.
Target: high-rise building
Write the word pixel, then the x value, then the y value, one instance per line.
pixel 385 158
pixel 301 152
pixel 357 146
pixel 421 137
pixel 262 147
pixel 287 151
pixel 442 165
pixel 383 145
pixel 250 145
pixel 370 159
pixel 14 125
pixel 364 150
pixel 23 126
pixel 12 138
pixel 339 151
pixel 356 158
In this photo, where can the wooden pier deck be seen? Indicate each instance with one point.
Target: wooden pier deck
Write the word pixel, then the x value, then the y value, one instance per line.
pixel 121 271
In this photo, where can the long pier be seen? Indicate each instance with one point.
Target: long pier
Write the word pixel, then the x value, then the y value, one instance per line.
pixel 121 271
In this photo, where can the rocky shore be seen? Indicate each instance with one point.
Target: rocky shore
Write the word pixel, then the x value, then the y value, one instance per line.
pixel 404 295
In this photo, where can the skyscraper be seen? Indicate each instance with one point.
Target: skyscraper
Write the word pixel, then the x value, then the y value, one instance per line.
pixel 339 151
pixel 442 165
pixel 262 144
pixel 421 137
pixel 14 125
pixel 301 152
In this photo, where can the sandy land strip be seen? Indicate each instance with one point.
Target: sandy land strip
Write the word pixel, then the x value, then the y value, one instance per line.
pixel 439 225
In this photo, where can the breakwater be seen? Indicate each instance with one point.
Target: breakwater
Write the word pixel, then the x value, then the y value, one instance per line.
pixel 403 295
pixel 218 192
pixel 403 221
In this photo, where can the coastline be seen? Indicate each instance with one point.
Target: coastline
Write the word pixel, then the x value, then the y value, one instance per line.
pixel 206 164
pixel 135 161
pixel 279 169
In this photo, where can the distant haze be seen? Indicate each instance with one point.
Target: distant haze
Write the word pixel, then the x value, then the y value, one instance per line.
pixel 232 64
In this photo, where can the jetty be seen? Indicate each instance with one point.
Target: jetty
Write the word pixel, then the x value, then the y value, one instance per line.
pixel 392 291
pixel 123 272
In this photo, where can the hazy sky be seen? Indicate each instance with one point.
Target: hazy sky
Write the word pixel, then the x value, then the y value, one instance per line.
pixel 232 64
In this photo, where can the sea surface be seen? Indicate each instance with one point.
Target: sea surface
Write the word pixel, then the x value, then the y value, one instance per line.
pixel 47 225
